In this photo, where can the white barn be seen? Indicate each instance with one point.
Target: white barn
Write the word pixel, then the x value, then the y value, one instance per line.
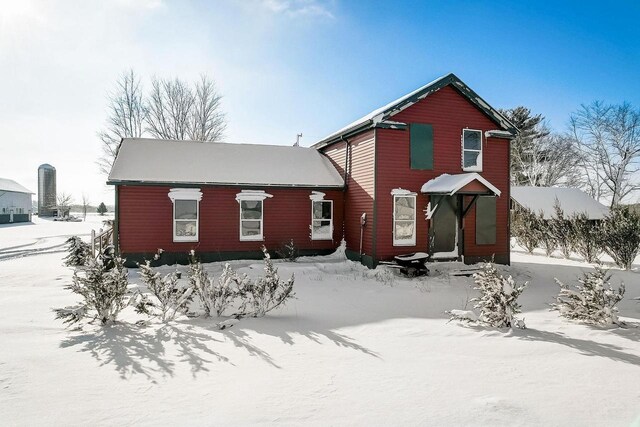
pixel 15 202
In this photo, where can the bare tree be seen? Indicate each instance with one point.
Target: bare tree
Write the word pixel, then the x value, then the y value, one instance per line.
pixel 64 201
pixel 85 205
pixel 549 161
pixel 170 105
pixel 176 111
pixel 609 136
pixel 207 122
pixel 125 118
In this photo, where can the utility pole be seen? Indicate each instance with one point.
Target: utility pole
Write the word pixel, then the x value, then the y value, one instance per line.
pixel 298 136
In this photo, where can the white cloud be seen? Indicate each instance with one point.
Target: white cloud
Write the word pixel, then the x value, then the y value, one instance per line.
pixel 299 8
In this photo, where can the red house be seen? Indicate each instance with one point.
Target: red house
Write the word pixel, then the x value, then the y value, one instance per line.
pixel 428 172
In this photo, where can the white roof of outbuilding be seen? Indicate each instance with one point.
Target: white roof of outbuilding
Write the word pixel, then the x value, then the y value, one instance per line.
pixel 572 201
pixel 450 184
pixel 193 162
pixel 11 185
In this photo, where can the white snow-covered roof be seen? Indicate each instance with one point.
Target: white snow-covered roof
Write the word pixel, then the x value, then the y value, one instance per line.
pixel 451 184
pixel 11 185
pixel 162 161
pixel 572 201
pixel 382 114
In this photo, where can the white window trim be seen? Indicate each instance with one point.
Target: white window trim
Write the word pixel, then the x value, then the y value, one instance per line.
pixel 256 196
pixel 191 194
pixel 404 242
pixel 315 236
pixel 478 166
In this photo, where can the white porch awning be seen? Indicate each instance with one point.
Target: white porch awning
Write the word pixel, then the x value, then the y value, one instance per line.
pixel 451 184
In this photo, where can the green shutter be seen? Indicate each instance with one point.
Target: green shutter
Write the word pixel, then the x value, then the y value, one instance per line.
pixel 486 220
pixel 421 146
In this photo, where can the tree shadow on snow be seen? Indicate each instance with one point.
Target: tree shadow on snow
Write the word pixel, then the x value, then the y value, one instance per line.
pixel 585 347
pixel 132 349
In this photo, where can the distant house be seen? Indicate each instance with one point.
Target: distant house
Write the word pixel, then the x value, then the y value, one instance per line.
pixel 572 201
pixel 15 202
pixel 428 172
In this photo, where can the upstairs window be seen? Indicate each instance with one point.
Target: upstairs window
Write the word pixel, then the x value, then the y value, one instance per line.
pixel 404 218
pixel 322 220
pixel 186 207
pixel 251 214
pixel 471 150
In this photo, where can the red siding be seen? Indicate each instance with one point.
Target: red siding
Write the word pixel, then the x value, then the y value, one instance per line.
pixel 359 197
pixel 448 112
pixel 145 220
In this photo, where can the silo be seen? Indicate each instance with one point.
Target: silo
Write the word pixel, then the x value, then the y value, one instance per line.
pixel 46 190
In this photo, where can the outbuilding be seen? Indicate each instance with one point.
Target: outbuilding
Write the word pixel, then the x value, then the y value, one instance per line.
pixel 572 201
pixel 15 202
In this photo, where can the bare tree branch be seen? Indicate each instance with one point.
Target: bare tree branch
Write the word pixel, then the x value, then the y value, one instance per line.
pixel 609 135
pixel 126 113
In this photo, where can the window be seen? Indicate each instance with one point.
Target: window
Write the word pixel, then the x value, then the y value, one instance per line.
pixel 471 150
pixel 404 219
pixel 251 220
pixel 251 214
pixel 322 219
pixel 186 207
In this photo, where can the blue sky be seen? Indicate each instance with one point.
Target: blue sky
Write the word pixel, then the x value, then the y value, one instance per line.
pixel 290 66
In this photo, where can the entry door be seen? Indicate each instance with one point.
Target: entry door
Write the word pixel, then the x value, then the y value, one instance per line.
pixel 444 226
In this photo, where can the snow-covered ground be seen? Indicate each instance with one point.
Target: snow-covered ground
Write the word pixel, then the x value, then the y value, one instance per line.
pixel 356 347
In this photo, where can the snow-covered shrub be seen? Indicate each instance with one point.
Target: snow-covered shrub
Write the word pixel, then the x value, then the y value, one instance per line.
pixel 586 237
pixel 592 301
pixel 288 251
pixel 265 293
pixel 621 235
pixel 104 292
pixel 79 252
pixel 168 298
pixel 548 240
pixel 525 227
pixel 215 295
pixel 562 230
pixel 498 300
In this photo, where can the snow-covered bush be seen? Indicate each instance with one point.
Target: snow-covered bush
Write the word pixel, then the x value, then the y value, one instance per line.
pixel 621 235
pixel 586 237
pixel 103 290
pixel 288 251
pixel 265 293
pixel 548 240
pixel 79 252
pixel 167 298
pixel 525 227
pixel 562 230
pixel 498 300
pixel 592 301
pixel 215 295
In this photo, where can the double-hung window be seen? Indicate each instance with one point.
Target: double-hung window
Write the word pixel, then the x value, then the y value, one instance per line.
pixel 404 219
pixel 186 210
pixel 251 220
pixel 252 214
pixel 321 219
pixel 472 150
